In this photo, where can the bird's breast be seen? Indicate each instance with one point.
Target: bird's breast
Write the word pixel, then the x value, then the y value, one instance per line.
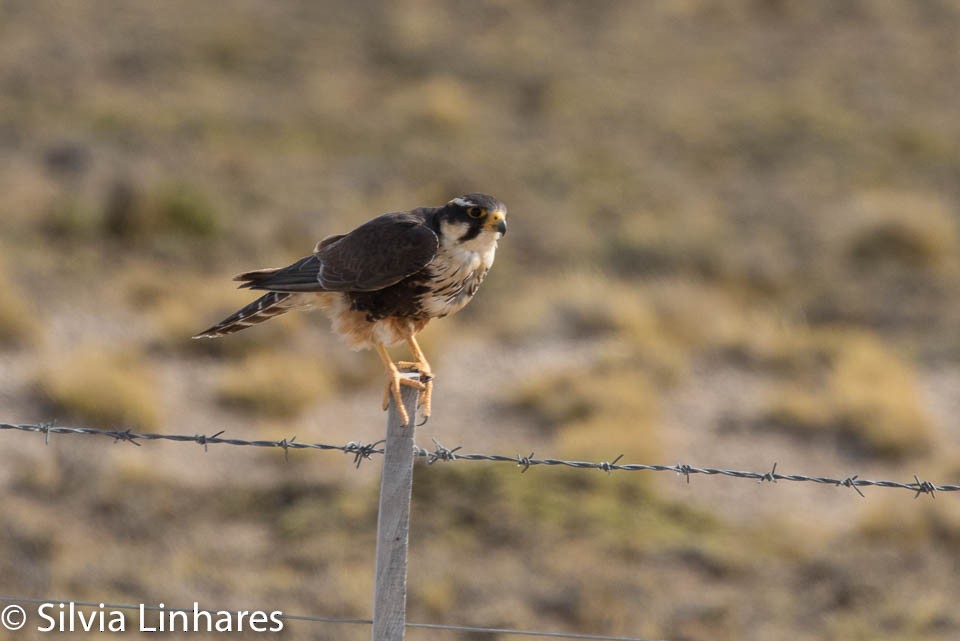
pixel 453 278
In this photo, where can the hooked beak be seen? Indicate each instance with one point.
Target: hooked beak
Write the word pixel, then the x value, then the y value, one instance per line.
pixel 498 222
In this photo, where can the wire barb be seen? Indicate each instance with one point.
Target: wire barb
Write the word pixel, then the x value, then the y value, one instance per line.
pixel 440 453
pixel 925 487
pixel 203 439
pixel 770 476
pixel 851 481
pixel 611 466
pixel 285 444
pixel 525 462
pixel 127 436
pixel 363 452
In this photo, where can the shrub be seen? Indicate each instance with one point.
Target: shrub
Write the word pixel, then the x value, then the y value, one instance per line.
pixel 932 523
pixel 19 324
pixel 70 218
pixel 275 384
pixel 105 386
pixel 905 229
pixel 588 409
pixel 868 395
pixel 173 209
pixel 183 210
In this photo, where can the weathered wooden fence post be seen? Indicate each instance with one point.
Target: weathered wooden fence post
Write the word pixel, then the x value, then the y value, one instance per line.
pixel 393 522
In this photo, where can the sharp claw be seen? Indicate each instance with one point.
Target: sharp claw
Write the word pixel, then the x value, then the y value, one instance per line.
pixel 423 422
pixel 426 398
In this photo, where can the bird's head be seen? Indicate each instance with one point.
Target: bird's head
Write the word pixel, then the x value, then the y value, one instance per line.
pixel 475 219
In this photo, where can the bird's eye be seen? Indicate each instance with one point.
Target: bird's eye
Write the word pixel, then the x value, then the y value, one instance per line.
pixel 474 212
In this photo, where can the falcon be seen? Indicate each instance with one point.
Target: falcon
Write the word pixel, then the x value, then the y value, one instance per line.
pixel 381 283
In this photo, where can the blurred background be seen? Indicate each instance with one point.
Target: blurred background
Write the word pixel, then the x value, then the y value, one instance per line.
pixel 733 242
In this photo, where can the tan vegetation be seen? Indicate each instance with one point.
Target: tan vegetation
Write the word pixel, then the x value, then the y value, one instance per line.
pixel 19 324
pixel 933 524
pixel 588 408
pixel 915 230
pixel 103 385
pixel 275 384
pixel 863 392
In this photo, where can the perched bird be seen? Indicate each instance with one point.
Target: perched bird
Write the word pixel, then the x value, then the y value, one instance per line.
pixel 381 283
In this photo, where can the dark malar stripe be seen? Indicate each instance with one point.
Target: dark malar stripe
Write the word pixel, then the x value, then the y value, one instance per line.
pixel 474 231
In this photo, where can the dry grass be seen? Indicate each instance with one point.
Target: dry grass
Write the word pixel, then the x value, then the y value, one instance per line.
pixel 146 214
pixel 867 394
pixel 182 303
pixel 178 209
pixel 655 326
pixel 932 523
pixel 274 384
pixel 178 318
pixel 771 341
pixel 71 218
pixel 103 386
pixel 688 241
pixel 592 539
pixel 591 410
pixel 911 229
pixel 20 325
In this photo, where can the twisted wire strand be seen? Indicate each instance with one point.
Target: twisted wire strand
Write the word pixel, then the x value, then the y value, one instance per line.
pixel 360 451
pixel 365 451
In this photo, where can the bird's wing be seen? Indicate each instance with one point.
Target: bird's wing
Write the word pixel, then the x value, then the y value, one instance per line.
pixel 373 256
pixel 326 241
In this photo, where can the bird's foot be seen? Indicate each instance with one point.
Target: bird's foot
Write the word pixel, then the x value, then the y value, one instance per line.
pixel 426 377
pixel 394 381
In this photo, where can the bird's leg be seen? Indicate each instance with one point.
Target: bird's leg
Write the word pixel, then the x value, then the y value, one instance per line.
pixel 394 381
pixel 426 375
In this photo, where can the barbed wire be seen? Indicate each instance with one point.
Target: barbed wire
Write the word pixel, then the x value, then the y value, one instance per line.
pixel 322 619
pixel 364 451
pixel 360 451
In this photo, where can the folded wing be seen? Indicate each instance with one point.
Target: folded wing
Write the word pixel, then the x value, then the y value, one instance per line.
pixel 375 255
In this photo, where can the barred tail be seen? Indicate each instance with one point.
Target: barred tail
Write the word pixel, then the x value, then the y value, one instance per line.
pixel 262 309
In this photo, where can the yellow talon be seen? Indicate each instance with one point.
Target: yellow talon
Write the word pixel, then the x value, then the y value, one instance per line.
pixel 394 381
pixel 426 376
